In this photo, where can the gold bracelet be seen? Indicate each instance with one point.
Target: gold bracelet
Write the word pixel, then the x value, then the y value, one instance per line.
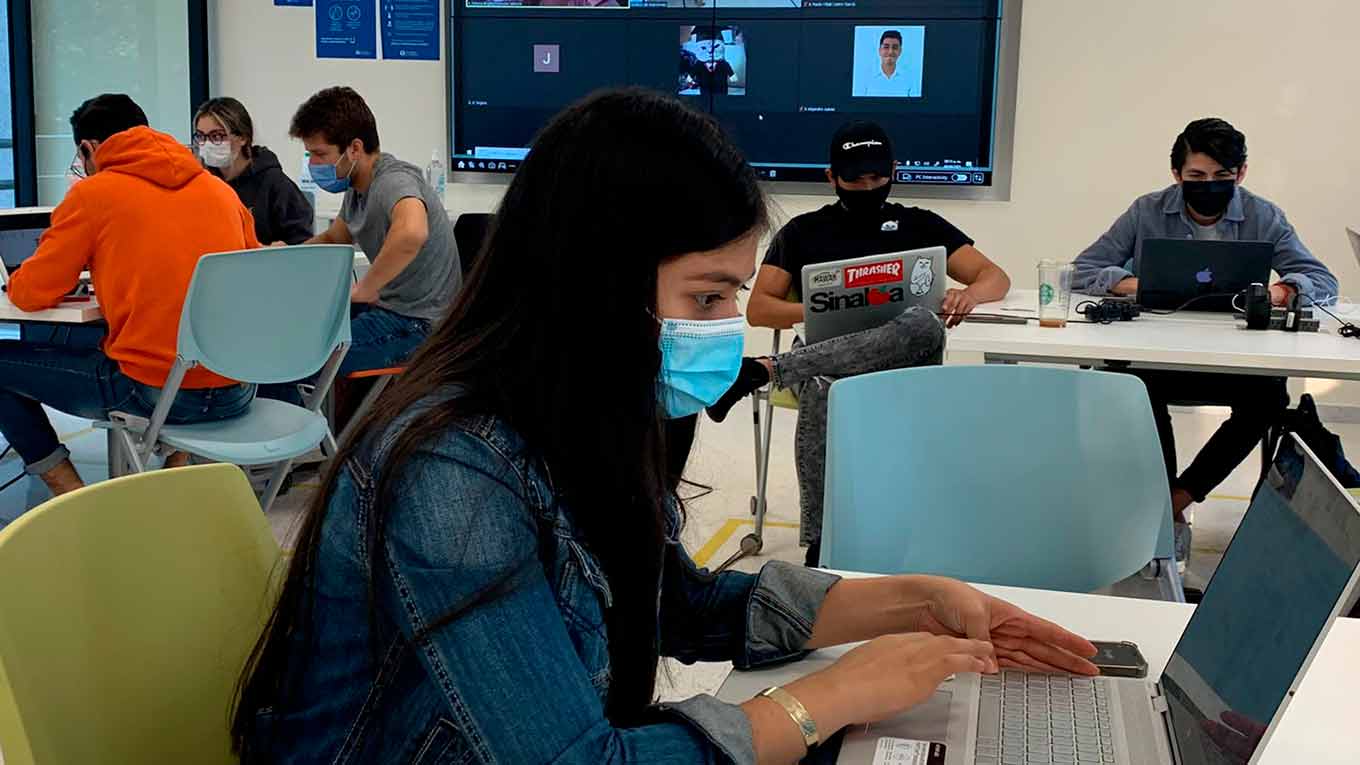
pixel 799 714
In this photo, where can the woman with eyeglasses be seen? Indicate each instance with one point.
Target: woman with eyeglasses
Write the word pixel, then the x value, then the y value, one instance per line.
pixel 224 139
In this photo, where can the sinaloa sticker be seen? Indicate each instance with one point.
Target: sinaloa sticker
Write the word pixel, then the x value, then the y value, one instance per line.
pixel 905 751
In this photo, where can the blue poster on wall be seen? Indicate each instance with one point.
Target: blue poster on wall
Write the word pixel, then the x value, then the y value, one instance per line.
pixel 299 3
pixel 410 29
pixel 346 29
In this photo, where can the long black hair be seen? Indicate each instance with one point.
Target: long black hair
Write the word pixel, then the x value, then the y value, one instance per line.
pixel 554 333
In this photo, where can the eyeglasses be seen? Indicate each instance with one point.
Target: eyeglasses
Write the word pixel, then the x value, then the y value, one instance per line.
pixel 77 167
pixel 216 137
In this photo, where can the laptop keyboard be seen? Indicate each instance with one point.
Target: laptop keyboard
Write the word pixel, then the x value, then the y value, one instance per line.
pixel 1028 718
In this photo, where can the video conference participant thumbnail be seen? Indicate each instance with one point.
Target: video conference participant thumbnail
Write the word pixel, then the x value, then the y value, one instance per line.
pixel 889 61
pixel 712 61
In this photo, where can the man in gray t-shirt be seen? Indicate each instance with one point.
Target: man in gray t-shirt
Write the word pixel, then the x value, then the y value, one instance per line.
pixel 393 215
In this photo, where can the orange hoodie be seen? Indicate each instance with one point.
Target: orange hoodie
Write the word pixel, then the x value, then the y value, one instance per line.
pixel 139 225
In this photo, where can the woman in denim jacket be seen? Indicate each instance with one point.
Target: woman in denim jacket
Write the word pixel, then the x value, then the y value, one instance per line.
pixel 493 567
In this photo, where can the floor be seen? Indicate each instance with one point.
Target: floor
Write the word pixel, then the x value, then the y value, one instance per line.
pixel 722 459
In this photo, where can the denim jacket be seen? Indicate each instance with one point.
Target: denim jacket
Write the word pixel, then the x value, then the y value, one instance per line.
pixel 522 676
pixel 1161 215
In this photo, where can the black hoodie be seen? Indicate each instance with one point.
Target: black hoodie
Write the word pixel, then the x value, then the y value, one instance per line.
pixel 282 213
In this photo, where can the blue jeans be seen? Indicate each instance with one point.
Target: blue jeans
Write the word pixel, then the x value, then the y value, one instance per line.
pixel 84 382
pixel 379 339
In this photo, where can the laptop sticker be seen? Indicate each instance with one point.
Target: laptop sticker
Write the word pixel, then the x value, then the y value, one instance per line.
pixel 922 276
pixel 889 226
pixel 904 751
pixel 825 279
pixel 869 274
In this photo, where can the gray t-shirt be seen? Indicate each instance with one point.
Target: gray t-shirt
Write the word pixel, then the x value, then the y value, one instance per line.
pixel 1207 233
pixel 425 288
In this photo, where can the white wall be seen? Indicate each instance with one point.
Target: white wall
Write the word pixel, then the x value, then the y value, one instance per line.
pixel 1105 85
pixel 265 55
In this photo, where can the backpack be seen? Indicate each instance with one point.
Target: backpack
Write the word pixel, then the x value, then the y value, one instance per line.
pixel 1304 423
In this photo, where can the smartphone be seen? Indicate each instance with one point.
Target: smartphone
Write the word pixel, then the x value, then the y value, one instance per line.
pixel 1122 659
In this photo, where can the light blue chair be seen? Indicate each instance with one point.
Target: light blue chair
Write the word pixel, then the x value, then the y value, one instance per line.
pixel 272 315
pixel 1002 474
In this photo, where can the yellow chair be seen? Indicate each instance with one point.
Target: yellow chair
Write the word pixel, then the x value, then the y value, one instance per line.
pixel 128 610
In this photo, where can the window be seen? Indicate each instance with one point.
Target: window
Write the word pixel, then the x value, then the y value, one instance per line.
pixel 153 50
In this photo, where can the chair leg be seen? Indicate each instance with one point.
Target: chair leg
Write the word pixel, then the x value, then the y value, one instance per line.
pixel 759 448
pixel 1169 580
pixel 271 487
pixel 365 404
pixel 753 543
pixel 123 456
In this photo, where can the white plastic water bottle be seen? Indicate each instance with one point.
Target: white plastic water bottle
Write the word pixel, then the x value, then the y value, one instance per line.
pixel 305 182
pixel 435 175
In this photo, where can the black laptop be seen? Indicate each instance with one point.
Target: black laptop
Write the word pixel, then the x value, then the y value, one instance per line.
pixel 1196 275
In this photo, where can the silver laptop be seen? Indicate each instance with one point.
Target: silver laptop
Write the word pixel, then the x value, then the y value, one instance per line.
pixel 846 296
pixel 1290 570
pixel 1354 234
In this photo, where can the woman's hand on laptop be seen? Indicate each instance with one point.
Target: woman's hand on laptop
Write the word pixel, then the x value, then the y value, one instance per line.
pixel 885 677
pixel 956 307
pixel 1021 639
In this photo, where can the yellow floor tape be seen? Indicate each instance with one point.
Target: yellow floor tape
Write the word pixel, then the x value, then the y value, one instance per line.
pixel 725 533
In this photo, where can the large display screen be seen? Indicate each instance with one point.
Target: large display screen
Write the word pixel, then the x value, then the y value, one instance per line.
pixel 780 75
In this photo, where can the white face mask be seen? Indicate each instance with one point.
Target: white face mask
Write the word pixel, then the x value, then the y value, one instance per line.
pixel 218 155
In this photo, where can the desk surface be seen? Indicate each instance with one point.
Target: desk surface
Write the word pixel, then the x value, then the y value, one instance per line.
pixel 86 312
pixel 1188 340
pixel 1317 727
pixel 71 312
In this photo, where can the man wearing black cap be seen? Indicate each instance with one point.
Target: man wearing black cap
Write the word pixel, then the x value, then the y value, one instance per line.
pixel 863 222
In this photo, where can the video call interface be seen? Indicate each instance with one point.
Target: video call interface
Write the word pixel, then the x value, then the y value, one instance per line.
pixel 780 75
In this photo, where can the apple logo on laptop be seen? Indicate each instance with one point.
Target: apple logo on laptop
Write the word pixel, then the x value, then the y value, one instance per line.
pixel 1205 277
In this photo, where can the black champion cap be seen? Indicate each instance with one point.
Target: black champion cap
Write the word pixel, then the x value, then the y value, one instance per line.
pixel 860 148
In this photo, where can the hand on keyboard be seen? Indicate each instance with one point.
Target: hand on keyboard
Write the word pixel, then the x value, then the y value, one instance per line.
pixel 885 677
pixel 1022 640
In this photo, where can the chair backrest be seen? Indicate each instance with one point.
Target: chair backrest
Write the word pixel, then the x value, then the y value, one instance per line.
pixel 469 233
pixel 271 315
pixel 131 608
pixel 1027 476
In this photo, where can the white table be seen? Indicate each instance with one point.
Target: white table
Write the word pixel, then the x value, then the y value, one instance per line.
pixel 68 312
pixel 1193 341
pixel 1318 725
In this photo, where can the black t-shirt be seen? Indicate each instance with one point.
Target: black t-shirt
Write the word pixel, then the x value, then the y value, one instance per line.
pixel 712 82
pixel 832 233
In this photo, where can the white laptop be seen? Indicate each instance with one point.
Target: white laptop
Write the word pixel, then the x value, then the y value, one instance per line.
pixel 1290 570
pixel 846 296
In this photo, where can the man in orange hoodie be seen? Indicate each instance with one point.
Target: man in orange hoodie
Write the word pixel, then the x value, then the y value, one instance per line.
pixel 139 222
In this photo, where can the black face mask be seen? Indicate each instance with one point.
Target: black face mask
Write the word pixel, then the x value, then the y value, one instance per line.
pixel 864 202
pixel 1208 198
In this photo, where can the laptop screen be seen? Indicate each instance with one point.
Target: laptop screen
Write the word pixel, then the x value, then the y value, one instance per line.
pixel 1280 582
pixel 18 245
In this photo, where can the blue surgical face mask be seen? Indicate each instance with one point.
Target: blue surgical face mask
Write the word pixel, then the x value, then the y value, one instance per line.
pixel 327 177
pixel 699 362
